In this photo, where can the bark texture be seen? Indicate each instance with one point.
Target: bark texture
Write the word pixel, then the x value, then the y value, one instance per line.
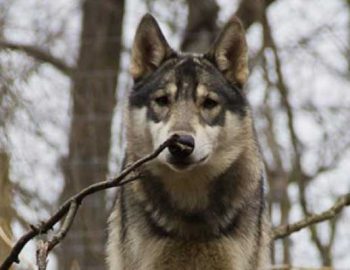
pixel 6 210
pixel 94 85
pixel 202 28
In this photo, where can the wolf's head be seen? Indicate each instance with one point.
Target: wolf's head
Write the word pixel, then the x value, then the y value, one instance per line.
pixel 199 97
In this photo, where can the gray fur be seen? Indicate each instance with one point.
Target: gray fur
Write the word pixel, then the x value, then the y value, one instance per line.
pixel 208 213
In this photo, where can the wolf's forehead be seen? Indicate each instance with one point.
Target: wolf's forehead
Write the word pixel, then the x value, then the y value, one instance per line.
pixel 188 73
pixel 190 67
pixel 181 77
pixel 188 76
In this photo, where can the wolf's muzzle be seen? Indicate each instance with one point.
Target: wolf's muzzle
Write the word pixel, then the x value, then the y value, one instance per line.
pixel 183 147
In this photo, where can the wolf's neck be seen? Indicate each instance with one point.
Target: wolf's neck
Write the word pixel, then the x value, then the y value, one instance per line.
pixel 192 191
pixel 201 209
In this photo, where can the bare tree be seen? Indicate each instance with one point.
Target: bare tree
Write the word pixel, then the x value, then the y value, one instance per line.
pixel 201 28
pixel 94 82
pixel 93 101
pixel 7 211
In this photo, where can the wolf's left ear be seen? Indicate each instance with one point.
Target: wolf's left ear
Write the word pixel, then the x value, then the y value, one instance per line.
pixel 230 53
pixel 150 48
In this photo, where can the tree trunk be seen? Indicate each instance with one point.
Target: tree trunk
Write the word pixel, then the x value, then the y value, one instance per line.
pixel 201 26
pixel 6 210
pixel 285 209
pixel 201 29
pixel 347 2
pixel 93 101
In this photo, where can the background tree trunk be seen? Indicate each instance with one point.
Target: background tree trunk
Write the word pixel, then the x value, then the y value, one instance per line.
pixel 6 209
pixel 201 28
pixel 93 101
pixel 347 3
pixel 250 11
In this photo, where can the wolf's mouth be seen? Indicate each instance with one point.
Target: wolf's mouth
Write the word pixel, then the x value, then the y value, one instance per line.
pixel 183 164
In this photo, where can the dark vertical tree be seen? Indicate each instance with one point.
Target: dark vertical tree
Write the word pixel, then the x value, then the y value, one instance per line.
pixel 347 3
pixel 94 84
pixel 6 210
pixel 201 27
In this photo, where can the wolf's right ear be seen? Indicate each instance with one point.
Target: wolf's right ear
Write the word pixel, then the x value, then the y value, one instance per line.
pixel 229 52
pixel 150 48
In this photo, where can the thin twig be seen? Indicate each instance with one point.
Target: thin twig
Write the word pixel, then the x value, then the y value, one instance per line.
pixel 41 255
pixel 38 54
pixel 290 267
pixel 68 221
pixel 285 230
pixel 44 247
pixel 77 200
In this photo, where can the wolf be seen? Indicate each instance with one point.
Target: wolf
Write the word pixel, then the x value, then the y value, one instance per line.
pixel 200 206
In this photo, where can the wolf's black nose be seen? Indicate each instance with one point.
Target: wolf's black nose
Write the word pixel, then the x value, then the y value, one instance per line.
pixel 183 147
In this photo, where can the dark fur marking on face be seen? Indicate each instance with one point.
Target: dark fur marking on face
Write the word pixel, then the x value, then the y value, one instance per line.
pixel 219 120
pixel 139 96
pixel 187 72
pixel 186 79
pixel 232 95
pixel 188 75
pixel 152 115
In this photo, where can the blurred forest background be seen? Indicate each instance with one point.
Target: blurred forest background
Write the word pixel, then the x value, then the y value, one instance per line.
pixel 64 79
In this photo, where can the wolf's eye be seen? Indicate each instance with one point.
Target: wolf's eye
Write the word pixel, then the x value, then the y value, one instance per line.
pixel 209 103
pixel 162 101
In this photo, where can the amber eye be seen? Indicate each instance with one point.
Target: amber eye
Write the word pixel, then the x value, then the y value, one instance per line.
pixel 209 103
pixel 162 101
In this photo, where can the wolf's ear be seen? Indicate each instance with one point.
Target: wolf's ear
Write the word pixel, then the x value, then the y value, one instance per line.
pixel 150 48
pixel 229 52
